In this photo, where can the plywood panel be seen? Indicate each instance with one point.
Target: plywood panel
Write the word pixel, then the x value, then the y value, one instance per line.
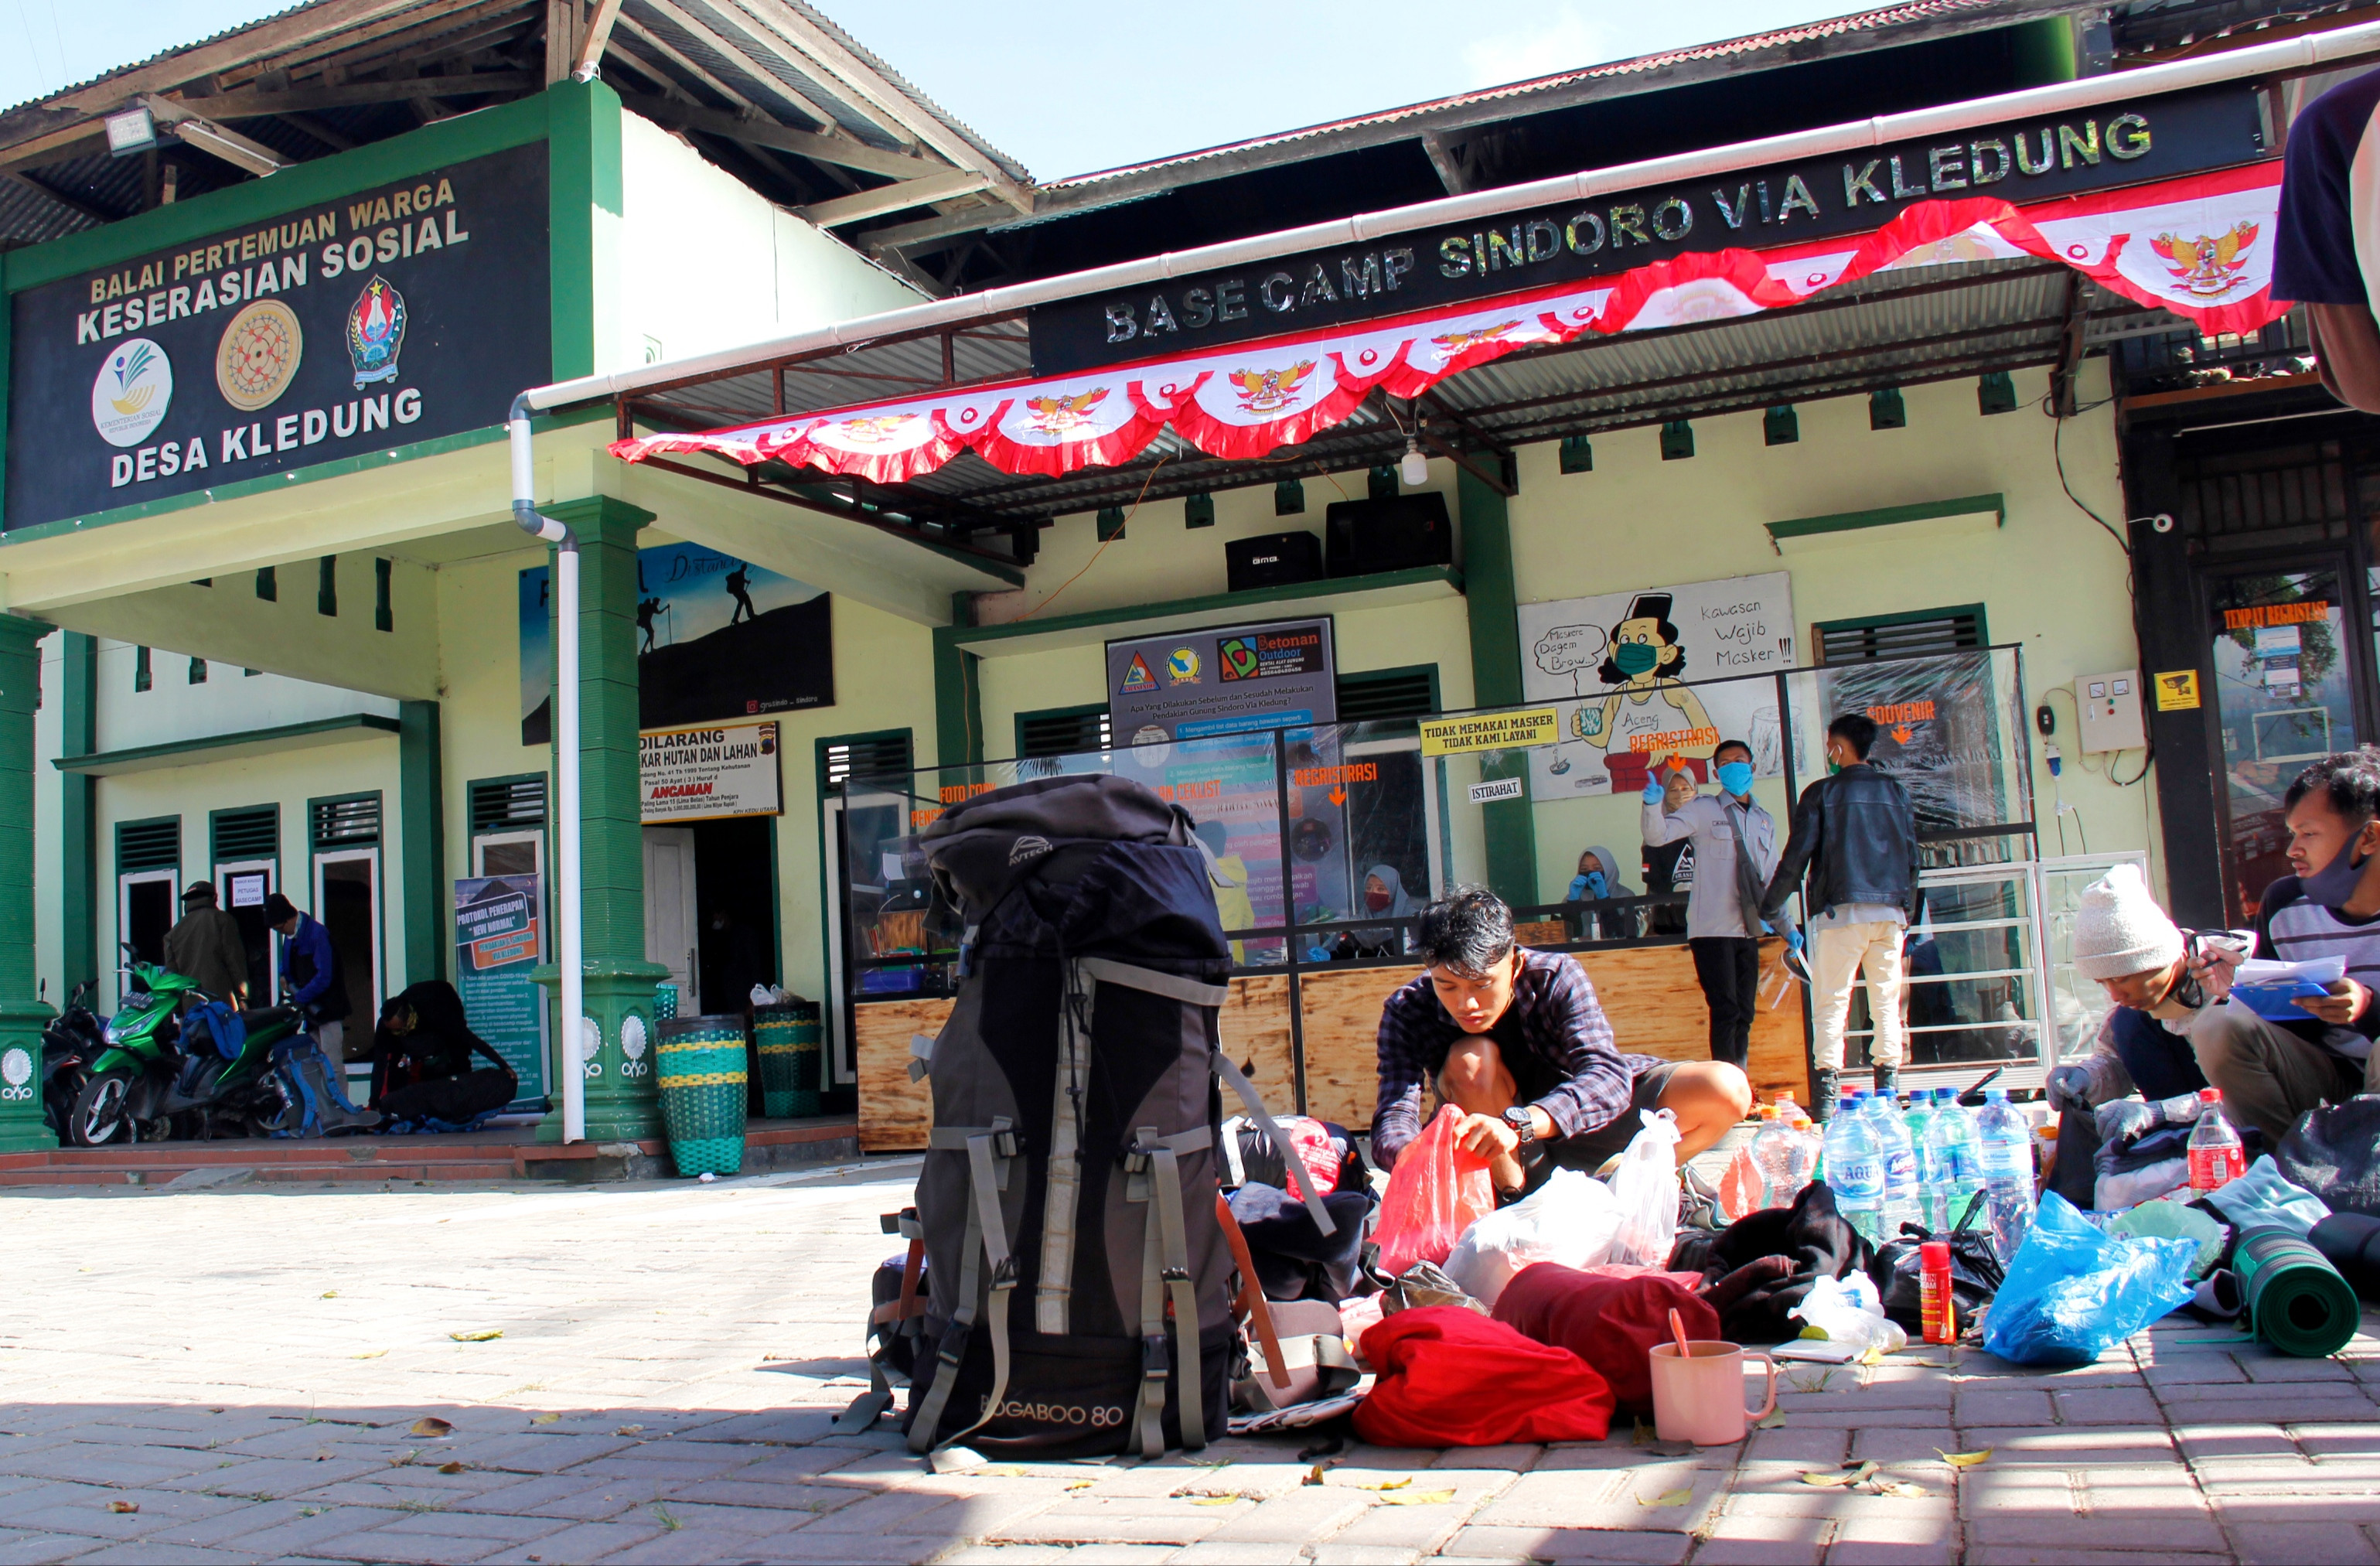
pixel 1255 1029
pixel 895 1112
pixel 1342 1031
pixel 1657 1008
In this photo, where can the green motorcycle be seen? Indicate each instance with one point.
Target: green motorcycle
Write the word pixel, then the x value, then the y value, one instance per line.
pixel 163 1072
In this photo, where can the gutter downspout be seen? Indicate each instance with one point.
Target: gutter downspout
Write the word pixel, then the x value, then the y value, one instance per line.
pixel 570 958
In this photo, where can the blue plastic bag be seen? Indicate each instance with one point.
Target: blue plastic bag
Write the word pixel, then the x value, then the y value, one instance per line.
pixel 2071 1293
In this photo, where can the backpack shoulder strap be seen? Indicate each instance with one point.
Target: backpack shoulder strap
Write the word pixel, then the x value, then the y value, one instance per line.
pixel 988 1150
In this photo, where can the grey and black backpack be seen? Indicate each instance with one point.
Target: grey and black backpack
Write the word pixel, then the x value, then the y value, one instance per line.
pixel 1076 1277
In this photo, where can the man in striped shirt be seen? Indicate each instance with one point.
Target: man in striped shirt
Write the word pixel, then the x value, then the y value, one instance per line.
pixel 2273 1072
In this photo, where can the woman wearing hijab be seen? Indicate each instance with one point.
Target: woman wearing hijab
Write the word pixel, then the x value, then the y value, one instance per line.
pixel 1597 879
pixel 1383 894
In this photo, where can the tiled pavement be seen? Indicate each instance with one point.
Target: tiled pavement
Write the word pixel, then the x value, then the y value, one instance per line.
pixel 236 1376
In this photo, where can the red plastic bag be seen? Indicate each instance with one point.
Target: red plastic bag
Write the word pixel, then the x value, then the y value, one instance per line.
pixel 1451 1378
pixel 1436 1192
pixel 1609 1317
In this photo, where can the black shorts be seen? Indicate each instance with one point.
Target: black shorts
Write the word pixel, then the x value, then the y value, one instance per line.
pixel 1587 1151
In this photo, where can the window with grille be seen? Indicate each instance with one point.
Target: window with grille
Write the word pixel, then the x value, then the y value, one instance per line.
pixel 352 823
pixel 149 845
pixel 1388 693
pixel 252 834
pixel 1902 635
pixel 885 755
pixel 1064 731
pixel 508 804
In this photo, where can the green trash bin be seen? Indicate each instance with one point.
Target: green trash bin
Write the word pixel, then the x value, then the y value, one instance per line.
pixel 790 1058
pixel 699 1067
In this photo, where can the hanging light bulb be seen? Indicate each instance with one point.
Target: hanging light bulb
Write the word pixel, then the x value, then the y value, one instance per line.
pixel 1415 468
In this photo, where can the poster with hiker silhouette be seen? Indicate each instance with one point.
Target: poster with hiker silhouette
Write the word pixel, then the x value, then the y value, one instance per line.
pixel 717 637
pixel 1626 671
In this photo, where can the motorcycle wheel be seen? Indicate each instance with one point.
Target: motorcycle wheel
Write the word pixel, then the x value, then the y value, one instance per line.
pixel 99 1116
pixel 277 1111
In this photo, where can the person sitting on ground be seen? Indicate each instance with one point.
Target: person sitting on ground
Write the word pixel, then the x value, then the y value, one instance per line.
pixel 422 1066
pixel 1515 1040
pixel 2156 974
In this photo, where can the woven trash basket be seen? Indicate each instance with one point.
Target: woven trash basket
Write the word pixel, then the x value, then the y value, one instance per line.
pixel 699 1067
pixel 777 1032
pixel 664 1001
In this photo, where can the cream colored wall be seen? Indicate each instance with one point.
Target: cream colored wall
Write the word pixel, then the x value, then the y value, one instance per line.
pixel 2050 579
pixel 288 779
pixel 707 263
pixel 229 701
pixel 479 717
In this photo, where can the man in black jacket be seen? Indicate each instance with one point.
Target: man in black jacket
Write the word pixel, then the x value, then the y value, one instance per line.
pixel 1855 835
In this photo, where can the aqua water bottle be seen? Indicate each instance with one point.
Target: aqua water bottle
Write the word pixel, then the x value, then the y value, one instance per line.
pixel 2007 1142
pixel 1854 1168
pixel 1899 1163
pixel 1958 1154
pixel 1932 1187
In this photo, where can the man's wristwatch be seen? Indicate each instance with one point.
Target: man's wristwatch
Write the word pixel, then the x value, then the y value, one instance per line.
pixel 1523 1125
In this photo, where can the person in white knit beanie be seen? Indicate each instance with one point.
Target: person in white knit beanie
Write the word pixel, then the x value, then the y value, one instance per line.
pixel 2120 932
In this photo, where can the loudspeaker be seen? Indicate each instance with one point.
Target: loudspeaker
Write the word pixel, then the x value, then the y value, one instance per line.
pixel 1370 535
pixel 1272 560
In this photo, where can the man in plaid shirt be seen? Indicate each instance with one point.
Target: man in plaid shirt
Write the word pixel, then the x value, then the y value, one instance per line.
pixel 1515 1040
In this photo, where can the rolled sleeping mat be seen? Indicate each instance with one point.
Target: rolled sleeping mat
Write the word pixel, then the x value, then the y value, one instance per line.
pixel 2297 1301
pixel 699 1067
pixel 2350 1242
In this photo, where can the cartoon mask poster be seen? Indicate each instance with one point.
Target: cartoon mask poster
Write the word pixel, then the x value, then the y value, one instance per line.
pixel 1628 672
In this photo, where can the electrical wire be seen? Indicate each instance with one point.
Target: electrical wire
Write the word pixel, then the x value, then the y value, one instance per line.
pixel 1094 560
pixel 2058 453
pixel 2148 759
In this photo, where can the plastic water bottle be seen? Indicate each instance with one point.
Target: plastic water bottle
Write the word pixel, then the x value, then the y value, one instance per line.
pixel 1855 1167
pixel 2216 1156
pixel 1772 1154
pixel 1933 1190
pixel 1952 1136
pixel 1801 1152
pixel 2007 1141
pixel 1900 1159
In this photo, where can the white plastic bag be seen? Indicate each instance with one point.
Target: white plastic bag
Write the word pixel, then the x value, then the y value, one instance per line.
pixel 1645 1188
pixel 1571 1218
pixel 1847 1311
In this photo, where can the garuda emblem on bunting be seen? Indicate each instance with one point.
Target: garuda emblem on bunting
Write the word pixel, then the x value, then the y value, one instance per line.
pixel 2208 266
pixel 1269 390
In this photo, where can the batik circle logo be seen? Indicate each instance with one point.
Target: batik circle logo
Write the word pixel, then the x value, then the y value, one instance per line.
pixel 258 355
pixel 134 389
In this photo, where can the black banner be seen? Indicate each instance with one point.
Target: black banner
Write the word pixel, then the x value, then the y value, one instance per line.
pixel 399 313
pixel 2094 148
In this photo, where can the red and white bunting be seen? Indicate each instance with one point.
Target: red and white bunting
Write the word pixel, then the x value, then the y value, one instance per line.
pixel 2199 247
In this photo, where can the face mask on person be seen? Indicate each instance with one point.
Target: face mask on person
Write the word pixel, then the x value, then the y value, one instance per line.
pixel 1735 776
pixel 2333 884
pixel 1636 657
pixel 1376 898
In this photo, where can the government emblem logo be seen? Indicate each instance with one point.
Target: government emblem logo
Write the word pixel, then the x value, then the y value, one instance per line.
pixel 258 355
pixel 134 389
pixel 376 330
pixel 1269 390
pixel 2208 266
pixel 1136 677
pixel 1182 667
pixel 1062 416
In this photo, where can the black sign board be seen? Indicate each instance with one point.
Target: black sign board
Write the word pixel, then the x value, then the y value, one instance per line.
pixel 399 313
pixel 2092 149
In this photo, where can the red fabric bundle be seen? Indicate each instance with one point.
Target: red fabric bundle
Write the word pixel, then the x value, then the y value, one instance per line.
pixel 1450 1378
pixel 1609 1317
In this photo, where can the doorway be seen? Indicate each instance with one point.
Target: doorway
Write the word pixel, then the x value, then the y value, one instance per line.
pixel 241 888
pixel 710 910
pixel 347 901
pixel 144 902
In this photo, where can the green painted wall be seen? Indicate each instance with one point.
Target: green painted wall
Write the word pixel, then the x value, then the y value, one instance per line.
pixel 421 886
pixel 78 840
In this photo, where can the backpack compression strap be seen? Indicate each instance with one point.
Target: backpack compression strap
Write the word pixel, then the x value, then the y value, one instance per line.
pixel 1165 1273
pixel 1176 987
pixel 869 1406
pixel 987 1238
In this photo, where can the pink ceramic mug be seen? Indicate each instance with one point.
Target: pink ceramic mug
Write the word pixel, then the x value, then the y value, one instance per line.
pixel 1700 1398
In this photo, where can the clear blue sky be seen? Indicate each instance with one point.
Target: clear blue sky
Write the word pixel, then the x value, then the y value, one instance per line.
pixel 1064 98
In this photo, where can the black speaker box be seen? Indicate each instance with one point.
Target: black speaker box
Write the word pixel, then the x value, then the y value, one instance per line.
pixel 1371 536
pixel 1272 560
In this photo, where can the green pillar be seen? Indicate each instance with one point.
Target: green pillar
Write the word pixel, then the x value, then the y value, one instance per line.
pixel 21 1015
pixel 1490 599
pixel 621 1103
pixel 958 691
pixel 421 810
pixel 78 813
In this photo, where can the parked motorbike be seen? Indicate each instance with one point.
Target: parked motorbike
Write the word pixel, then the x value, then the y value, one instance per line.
pixel 69 1044
pixel 160 1073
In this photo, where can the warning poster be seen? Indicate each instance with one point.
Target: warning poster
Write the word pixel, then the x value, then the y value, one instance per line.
pixel 1194 684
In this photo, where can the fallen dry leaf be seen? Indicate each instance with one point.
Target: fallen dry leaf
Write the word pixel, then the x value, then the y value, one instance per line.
pixel 1385 1484
pixel 430 1426
pixel 450 1468
pixel 1830 1479
pixel 1872 1357
pixel 1002 1471
pixel 369 1354
pixel 1418 1497
pixel 329 1293
pixel 124 1506
pixel 1773 1421
pixel 1668 1498
pixel 1313 1475
pixel 1079 1484
pixel 1213 1500
pixel 628 1429
pixel 484 1335
pixel 1895 1487
pixel 1964 1459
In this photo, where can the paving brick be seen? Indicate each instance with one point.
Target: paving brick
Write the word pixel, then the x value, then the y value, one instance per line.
pixel 1337 1554
pixel 2003 1407
pixel 2084 1444
pixel 1124 1519
pixel 1614 1499
pixel 31 1549
pixel 578 1542
pixel 1869 1552
pixel 1763 1541
pixel 1313 1512
pixel 1810 1446
pixel 2106 1405
pixel 1807 1501
pixel 2292 1544
pixel 2240 1439
pixel 1903 1446
pixel 2277 1368
pixel 2054 1554
pixel 2195 1369
pixel 1564 1544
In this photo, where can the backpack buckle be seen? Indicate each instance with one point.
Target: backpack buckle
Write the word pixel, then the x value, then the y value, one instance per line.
pixel 1005 1275
pixel 1135 1159
pixel 1156 1359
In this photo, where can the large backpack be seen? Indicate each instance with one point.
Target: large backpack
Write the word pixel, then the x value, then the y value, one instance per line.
pixel 1076 1276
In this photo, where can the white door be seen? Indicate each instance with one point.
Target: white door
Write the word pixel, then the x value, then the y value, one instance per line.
pixel 241 887
pixel 671 929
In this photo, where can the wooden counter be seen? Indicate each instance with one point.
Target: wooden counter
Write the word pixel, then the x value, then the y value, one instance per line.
pixel 1648 992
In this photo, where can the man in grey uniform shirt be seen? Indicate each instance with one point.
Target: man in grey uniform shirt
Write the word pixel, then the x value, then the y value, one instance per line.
pixel 1735 853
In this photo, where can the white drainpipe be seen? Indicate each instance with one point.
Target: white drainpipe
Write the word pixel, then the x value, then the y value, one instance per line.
pixel 570 936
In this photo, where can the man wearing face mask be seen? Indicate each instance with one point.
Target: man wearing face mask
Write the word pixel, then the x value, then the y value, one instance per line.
pixel 1856 835
pixel 1734 845
pixel 2273 1072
